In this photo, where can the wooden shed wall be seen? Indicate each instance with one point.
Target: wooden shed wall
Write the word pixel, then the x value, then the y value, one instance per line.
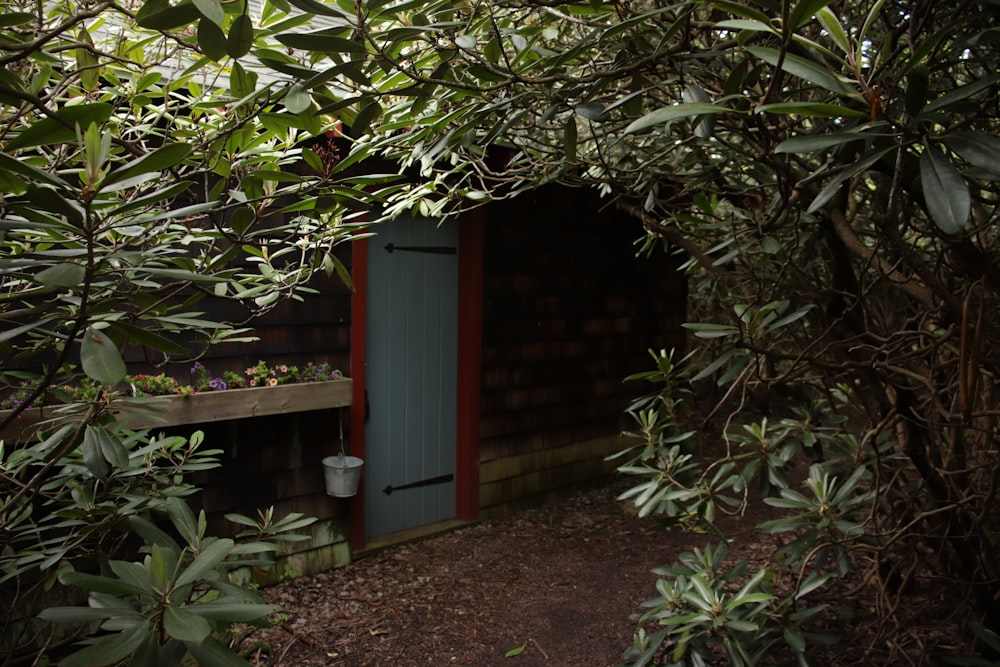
pixel 294 333
pixel 568 312
pixel 276 460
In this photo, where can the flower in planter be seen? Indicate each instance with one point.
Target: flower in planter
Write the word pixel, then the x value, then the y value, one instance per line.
pixel 87 390
pixel 155 385
pixel 262 375
pixel 258 375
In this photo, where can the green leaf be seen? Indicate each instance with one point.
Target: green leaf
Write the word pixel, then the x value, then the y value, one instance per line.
pixel 93 458
pixel 210 558
pixel 592 111
pixel 697 95
pixel 368 113
pixel 143 336
pixel 162 563
pixel 11 184
pixel 175 188
pixel 212 10
pixel 161 15
pixel 946 193
pixel 987 636
pixel 151 654
pixel 48 131
pixel 671 113
pixel 154 161
pixel 51 200
pixel 804 11
pixel 962 93
pixel 211 651
pixel 242 219
pixel 240 38
pixel 93 583
pixel 320 8
pixel 804 69
pixel 342 272
pixel 741 10
pixel 151 533
pixel 22 167
pixel 297 99
pixel 183 275
pixel 795 639
pixel 569 140
pixel 811 109
pixel 75 614
pixel 181 624
pixel 466 41
pixel 10 19
pixel 748 598
pixel 212 40
pixel 87 62
pixel 745 24
pixel 109 649
pixel 232 612
pixel 184 520
pixel 323 41
pixel 917 85
pixel 516 651
pixel 874 14
pixel 977 148
pixel 833 27
pixel 134 574
pixel 710 329
pixel 182 212
pixel 241 82
pixel 831 188
pixel 812 582
pixel 111 447
pixel 737 625
pixel 67 274
pixel 813 143
pixel 100 359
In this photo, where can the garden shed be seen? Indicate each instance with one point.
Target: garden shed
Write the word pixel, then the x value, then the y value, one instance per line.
pixel 486 357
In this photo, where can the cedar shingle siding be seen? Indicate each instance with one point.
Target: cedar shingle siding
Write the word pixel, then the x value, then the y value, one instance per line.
pixel 568 312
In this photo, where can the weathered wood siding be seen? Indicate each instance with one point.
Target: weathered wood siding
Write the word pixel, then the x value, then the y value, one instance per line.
pixel 276 461
pixel 568 313
pixel 293 333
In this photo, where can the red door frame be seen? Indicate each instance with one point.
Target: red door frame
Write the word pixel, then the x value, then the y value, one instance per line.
pixel 470 317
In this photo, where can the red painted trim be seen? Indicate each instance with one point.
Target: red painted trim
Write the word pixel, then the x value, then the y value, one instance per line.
pixel 359 318
pixel 470 357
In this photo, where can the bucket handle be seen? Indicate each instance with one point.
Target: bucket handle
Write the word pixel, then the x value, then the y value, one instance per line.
pixel 343 455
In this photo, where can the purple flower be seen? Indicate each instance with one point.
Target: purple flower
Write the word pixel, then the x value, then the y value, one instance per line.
pixel 218 384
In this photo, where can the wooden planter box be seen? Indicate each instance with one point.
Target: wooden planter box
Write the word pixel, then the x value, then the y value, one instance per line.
pixel 210 406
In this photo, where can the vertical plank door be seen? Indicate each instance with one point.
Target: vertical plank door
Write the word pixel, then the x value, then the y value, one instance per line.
pixel 411 340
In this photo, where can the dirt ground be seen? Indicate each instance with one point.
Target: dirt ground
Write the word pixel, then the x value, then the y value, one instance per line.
pixel 559 585
pixel 556 586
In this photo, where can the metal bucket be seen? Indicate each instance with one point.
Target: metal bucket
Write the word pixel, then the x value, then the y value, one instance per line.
pixel 343 474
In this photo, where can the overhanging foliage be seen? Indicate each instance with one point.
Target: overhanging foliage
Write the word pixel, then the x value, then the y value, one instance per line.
pixel 828 167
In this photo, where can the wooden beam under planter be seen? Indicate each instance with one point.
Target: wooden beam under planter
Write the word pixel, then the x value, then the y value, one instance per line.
pixel 212 406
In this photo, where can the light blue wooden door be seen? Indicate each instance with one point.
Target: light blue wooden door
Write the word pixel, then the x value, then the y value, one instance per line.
pixel 411 343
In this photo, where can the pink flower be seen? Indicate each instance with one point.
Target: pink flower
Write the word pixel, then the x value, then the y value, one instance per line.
pixel 272 381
